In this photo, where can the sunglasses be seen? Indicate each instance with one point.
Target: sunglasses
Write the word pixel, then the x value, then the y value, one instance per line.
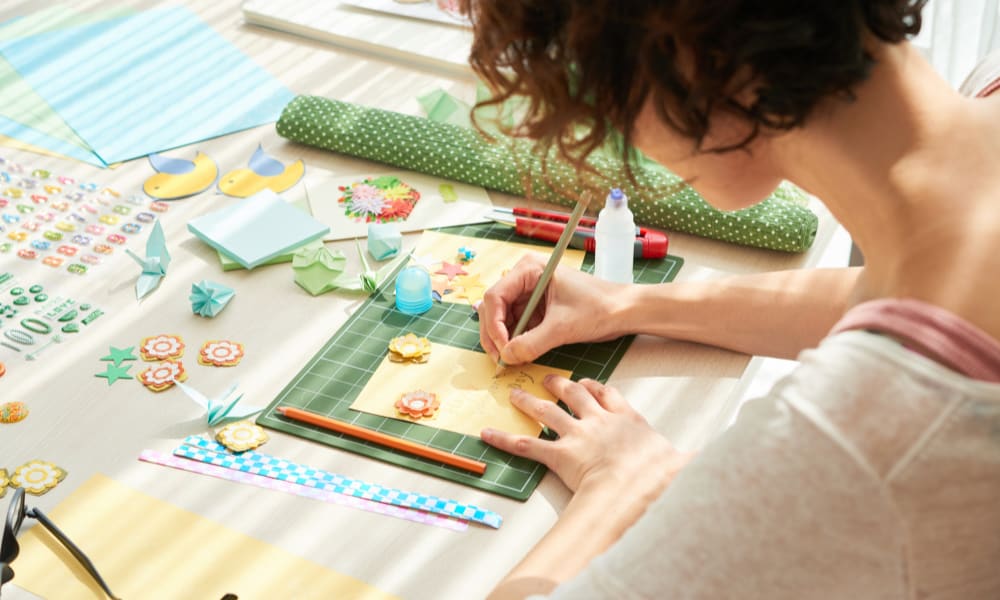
pixel 9 547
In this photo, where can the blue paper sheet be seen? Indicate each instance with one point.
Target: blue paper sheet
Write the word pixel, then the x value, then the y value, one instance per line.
pixel 257 229
pixel 146 83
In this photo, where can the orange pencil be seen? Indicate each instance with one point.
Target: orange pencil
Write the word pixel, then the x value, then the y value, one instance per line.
pixel 305 416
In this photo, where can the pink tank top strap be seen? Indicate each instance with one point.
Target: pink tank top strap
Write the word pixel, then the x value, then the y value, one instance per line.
pixel 931 331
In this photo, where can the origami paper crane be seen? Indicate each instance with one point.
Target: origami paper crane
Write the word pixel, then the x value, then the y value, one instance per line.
pixel 209 298
pixel 154 266
pixel 219 409
pixel 368 281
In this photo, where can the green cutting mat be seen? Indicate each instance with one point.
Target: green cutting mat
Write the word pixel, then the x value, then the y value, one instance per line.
pixel 332 380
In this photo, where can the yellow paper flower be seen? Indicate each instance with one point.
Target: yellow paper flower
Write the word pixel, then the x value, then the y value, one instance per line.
pixel 161 347
pixel 241 436
pixel 37 477
pixel 161 376
pixel 4 482
pixel 13 412
pixel 409 348
pixel 418 404
pixel 221 353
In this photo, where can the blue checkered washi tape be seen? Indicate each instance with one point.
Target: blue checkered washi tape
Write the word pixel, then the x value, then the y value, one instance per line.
pixel 210 452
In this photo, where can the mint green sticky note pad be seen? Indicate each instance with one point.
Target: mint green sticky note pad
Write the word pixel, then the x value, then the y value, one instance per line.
pixel 257 229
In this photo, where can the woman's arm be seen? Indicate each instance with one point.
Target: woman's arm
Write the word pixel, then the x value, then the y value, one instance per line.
pixel 607 453
pixel 767 314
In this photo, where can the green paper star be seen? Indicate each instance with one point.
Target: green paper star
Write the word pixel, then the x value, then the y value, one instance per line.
pixel 113 373
pixel 120 355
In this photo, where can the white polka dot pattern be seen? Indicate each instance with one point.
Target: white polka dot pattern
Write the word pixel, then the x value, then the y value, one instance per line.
pixel 658 198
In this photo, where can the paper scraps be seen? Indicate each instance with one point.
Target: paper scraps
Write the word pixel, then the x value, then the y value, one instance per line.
pixel 221 408
pixel 220 353
pixel 163 375
pixel 418 404
pixel 178 178
pixel 208 298
pixel 36 477
pixel 241 436
pixel 154 265
pixel 409 348
pixel 13 412
pixel 263 172
pixel 161 347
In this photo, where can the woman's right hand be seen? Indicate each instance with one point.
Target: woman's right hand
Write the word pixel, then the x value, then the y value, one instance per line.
pixel 577 307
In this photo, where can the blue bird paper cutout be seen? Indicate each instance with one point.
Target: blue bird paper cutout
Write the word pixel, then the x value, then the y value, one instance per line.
pixel 262 172
pixel 177 178
pixel 219 409
pixel 154 265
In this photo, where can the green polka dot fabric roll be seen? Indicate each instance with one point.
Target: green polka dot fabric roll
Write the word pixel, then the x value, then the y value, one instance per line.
pixel 658 198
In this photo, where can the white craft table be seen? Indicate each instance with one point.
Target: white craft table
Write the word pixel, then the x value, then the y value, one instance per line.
pixel 80 423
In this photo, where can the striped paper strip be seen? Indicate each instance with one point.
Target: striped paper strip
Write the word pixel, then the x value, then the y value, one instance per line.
pixel 208 451
pixel 410 514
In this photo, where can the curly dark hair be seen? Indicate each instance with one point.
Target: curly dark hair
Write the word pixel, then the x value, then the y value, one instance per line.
pixel 595 62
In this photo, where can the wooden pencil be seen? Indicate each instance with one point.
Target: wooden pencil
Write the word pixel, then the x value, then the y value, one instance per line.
pixel 550 267
pixel 383 439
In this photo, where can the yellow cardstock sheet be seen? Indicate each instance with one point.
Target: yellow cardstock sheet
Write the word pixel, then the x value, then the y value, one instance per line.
pixel 471 398
pixel 492 259
pixel 146 548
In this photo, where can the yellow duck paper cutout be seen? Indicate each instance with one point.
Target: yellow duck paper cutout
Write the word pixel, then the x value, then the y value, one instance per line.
pixel 177 178
pixel 263 172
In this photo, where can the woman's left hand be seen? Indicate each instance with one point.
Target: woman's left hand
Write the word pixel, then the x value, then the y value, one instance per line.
pixel 604 442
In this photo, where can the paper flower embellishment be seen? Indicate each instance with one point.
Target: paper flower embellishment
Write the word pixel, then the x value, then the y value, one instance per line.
pixel 37 477
pixel 209 298
pixel 4 482
pixel 162 376
pixel 241 436
pixel 418 404
pixel 13 412
pixel 161 347
pixel 409 348
pixel 221 353
pixel 379 200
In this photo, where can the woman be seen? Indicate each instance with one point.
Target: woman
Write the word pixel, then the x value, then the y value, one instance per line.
pixel 873 470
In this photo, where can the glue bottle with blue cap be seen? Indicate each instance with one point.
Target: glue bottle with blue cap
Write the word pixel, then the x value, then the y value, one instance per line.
pixel 614 239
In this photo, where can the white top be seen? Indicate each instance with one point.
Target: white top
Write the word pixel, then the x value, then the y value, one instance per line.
pixel 868 472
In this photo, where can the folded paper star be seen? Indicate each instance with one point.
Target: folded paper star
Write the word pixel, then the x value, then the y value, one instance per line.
pixel 450 270
pixel 221 408
pixel 154 265
pixel 208 298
